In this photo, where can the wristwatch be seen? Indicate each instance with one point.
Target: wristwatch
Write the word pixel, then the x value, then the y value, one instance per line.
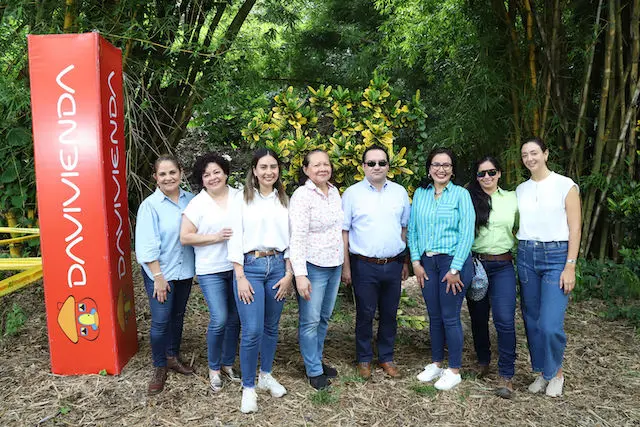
pixel 453 271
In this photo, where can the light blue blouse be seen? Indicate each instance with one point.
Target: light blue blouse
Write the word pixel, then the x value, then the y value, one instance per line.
pixel 158 236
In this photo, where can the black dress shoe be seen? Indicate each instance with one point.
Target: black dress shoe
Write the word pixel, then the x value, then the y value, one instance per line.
pixel 329 371
pixel 320 382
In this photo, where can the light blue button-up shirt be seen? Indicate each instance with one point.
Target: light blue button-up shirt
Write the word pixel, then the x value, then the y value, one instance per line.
pixel 445 225
pixel 158 236
pixel 374 219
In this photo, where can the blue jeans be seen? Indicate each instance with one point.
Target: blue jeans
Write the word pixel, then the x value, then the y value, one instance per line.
pixel 376 286
pixel 261 318
pixel 224 324
pixel 315 315
pixel 501 300
pixel 167 319
pixel 543 302
pixel 444 308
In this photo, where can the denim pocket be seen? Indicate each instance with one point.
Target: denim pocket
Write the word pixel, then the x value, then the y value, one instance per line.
pixel 521 269
pixel 249 260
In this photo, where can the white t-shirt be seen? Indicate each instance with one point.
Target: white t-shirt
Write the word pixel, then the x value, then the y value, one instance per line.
pixel 209 218
pixel 261 225
pixel 543 216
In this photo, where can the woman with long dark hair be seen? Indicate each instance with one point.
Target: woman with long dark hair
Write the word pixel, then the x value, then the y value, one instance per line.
pixel 167 267
pixel 440 238
pixel 549 236
pixel 496 211
pixel 259 251
pixel 317 254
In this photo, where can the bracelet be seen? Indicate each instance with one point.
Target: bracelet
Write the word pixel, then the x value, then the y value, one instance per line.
pixel 571 261
pixel 157 274
pixel 241 276
pixel 289 272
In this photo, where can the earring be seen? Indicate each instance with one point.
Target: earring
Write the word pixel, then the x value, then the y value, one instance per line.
pixel 429 175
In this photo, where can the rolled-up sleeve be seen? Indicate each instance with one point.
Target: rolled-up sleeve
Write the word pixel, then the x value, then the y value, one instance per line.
pixel 465 230
pixel 406 211
pixel 346 207
pixel 147 234
pixel 234 244
pixel 299 219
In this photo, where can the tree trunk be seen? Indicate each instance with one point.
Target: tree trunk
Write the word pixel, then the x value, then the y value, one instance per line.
pixel 588 217
pixel 533 74
pixel 575 166
pixel 633 81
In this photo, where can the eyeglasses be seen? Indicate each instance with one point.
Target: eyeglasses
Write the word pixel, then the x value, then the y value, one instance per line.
pixel 372 164
pixel 491 172
pixel 445 166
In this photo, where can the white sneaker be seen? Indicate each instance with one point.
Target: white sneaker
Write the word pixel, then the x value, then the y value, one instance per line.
pixel 430 373
pixel 554 388
pixel 249 400
pixel 448 380
pixel 267 382
pixel 215 381
pixel 539 385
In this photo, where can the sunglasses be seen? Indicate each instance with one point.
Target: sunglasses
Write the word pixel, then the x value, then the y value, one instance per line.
pixel 491 172
pixel 372 164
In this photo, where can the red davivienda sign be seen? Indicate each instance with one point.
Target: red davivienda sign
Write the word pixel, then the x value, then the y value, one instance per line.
pixel 78 132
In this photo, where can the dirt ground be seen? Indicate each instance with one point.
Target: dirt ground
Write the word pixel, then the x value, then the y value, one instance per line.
pixel 602 388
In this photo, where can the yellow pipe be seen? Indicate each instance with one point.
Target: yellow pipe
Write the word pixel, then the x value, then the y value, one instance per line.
pixel 14 249
pixel 19 230
pixel 8 264
pixel 20 280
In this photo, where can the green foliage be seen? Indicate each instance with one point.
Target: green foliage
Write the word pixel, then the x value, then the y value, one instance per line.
pixel 344 125
pixel 427 390
pixel 325 397
pixel 14 320
pixel 617 284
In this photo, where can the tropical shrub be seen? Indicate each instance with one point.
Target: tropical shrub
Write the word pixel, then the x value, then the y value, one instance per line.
pixel 345 124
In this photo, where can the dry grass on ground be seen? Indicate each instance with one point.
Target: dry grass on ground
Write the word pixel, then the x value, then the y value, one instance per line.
pixel 602 369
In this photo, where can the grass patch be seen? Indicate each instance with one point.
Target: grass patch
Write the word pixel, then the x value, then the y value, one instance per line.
pixel 352 379
pixel 469 375
pixel 14 320
pixel 325 397
pixel 341 314
pixel 427 390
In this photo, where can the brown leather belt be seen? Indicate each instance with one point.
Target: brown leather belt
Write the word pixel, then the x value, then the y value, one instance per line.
pixel 380 261
pixel 260 254
pixel 502 257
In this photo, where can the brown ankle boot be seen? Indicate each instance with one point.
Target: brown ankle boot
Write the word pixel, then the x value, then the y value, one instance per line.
pixel 175 364
pixel 156 385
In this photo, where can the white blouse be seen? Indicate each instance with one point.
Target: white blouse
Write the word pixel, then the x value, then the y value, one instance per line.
pixel 209 218
pixel 260 225
pixel 543 216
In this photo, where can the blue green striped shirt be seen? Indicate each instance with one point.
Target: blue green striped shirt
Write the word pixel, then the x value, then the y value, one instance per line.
pixel 444 226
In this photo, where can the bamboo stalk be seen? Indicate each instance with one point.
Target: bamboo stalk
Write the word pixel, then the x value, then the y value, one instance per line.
pixel 612 167
pixel 533 74
pixel 633 81
pixel 579 134
pixel 68 16
pixel 588 219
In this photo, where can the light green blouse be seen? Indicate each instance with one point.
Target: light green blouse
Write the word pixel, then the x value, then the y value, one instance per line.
pixel 497 236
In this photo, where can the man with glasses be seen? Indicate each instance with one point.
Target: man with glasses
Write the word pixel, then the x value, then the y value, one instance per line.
pixel 376 214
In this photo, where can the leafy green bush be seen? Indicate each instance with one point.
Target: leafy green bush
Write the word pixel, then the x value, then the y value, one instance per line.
pixel 14 320
pixel 616 284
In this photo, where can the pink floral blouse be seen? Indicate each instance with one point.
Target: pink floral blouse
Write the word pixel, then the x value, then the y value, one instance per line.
pixel 316 228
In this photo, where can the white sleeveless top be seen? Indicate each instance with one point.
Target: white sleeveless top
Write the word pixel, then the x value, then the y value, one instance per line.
pixel 543 216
